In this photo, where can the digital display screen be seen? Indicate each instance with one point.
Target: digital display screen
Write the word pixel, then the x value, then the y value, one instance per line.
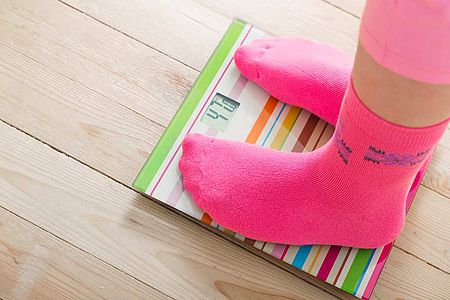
pixel 220 112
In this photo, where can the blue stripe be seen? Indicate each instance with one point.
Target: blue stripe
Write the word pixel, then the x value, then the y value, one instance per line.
pixel 301 256
pixel 364 272
pixel 273 125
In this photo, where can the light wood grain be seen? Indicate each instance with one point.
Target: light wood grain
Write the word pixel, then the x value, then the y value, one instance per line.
pixel 103 133
pixel 354 7
pixel 130 232
pixel 437 177
pixel 445 141
pixel 77 83
pixel 199 25
pixel 103 95
pixel 426 234
pixel 37 265
pixel 404 277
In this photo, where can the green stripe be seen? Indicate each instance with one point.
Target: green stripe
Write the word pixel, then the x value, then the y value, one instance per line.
pixel 185 111
pixel 356 270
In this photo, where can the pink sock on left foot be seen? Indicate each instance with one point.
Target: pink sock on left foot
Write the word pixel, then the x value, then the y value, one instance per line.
pixel 299 72
pixel 351 192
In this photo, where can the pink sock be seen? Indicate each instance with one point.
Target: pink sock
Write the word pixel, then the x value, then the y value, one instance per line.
pixel 299 72
pixel 350 192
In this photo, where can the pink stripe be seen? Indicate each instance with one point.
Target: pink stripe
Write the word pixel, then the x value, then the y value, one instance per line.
pixel 376 272
pixel 238 87
pixel 176 193
pixel 195 120
pixel 278 250
pixel 284 252
pixel 328 262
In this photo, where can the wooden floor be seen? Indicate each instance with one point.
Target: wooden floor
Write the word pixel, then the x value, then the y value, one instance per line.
pixel 86 89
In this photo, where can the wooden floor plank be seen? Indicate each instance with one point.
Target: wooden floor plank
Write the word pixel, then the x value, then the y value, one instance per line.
pixel 91 122
pixel 36 265
pixel 437 177
pixel 130 232
pixel 104 62
pixel 80 110
pixel 53 81
pixel 426 233
pixel 404 277
pixel 354 7
pixel 445 141
pixel 199 25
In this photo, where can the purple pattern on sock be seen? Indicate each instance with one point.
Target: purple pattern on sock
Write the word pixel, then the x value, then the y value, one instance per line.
pixel 344 151
pixel 394 159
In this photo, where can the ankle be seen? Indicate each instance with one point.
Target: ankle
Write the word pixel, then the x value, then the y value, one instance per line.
pixel 398 99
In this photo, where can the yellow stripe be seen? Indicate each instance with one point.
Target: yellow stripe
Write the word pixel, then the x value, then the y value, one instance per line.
pixel 285 128
pixel 315 259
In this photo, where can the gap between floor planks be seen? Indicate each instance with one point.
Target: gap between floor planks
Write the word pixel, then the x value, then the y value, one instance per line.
pixel 35 263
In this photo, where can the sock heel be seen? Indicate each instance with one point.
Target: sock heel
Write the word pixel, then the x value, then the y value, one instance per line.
pixel 421 172
pixel 418 178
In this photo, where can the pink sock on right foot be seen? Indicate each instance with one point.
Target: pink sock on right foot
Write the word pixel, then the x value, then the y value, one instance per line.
pixel 350 192
pixel 299 72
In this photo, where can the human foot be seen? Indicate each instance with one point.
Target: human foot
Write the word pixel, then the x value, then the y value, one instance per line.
pixel 350 192
pixel 299 72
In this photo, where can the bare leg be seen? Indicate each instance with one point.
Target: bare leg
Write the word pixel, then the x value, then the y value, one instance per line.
pixel 398 99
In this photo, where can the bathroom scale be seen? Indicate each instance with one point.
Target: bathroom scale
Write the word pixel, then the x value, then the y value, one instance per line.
pixel 224 104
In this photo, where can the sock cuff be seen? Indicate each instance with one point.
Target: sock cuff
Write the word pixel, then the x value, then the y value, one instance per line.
pixel 354 111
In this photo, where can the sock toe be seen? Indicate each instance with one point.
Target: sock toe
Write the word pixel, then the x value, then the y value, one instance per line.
pixel 191 163
pixel 247 61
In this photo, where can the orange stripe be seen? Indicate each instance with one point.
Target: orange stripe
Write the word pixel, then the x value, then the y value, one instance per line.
pixel 315 259
pixel 206 219
pixel 260 123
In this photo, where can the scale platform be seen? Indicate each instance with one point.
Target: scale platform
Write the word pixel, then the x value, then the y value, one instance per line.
pixel 222 103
